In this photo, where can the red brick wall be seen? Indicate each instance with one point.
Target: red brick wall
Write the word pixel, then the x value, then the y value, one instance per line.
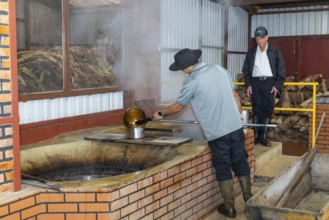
pixel 323 138
pixel 9 147
pixel 186 191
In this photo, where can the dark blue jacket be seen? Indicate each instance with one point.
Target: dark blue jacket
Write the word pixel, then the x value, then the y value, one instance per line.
pixel 276 62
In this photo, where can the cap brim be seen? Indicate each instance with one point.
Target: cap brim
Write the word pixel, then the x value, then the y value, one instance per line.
pixel 260 35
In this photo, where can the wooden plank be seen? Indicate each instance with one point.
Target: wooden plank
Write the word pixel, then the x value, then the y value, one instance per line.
pixel 320 172
pixel 303 187
pixel 263 212
pixel 121 138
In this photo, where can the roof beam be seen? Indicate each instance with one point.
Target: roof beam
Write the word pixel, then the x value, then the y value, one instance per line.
pixel 265 2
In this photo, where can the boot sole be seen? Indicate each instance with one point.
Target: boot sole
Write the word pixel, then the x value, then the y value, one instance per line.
pixel 228 213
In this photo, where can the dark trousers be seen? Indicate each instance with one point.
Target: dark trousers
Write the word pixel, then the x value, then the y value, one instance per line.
pixel 228 153
pixel 262 99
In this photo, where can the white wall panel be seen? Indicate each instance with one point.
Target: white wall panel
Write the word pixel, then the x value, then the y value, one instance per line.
pixel 213 55
pixel 195 24
pixel 237 30
pixel 43 110
pixel 293 24
pixel 235 64
pixel 212 34
pixel 179 23
pixel 179 29
pixel 237 40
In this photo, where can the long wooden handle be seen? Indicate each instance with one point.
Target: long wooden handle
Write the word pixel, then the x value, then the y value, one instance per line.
pixel 301 172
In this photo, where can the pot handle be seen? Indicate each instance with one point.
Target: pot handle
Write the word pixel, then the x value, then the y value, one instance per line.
pixel 143 121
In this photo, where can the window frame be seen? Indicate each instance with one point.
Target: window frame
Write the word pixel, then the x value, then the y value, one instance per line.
pixel 67 90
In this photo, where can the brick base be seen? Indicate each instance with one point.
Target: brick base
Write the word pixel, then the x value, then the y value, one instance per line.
pixel 323 139
pixel 186 191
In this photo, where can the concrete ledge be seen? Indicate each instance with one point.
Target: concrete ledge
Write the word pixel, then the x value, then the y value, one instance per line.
pixel 264 154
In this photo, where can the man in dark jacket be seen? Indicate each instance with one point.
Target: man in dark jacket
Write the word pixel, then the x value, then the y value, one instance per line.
pixel 264 74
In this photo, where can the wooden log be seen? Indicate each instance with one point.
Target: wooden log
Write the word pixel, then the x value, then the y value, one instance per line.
pixel 290 79
pixel 296 97
pixel 285 100
pixel 327 84
pixel 240 77
pixel 277 119
pixel 312 78
pixel 283 127
pixel 307 94
pixel 291 87
pixel 323 86
pixel 308 103
pixel 291 120
pixel 302 124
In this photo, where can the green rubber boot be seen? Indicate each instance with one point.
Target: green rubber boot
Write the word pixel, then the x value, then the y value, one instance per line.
pixel 227 208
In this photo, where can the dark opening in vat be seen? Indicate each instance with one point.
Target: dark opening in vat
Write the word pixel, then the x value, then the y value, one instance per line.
pixel 87 172
pixel 86 160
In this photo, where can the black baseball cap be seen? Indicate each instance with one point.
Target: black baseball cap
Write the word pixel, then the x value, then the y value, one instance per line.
pixel 260 32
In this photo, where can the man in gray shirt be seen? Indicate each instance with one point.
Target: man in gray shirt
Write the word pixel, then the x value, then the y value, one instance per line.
pixel 217 108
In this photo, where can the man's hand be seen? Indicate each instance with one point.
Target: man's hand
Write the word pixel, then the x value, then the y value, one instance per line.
pixel 274 91
pixel 157 115
pixel 249 90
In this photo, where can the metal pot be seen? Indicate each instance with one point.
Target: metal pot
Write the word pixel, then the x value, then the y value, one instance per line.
pixel 135 133
pixel 131 116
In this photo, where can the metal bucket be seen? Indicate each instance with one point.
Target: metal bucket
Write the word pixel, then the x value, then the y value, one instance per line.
pixel 245 114
pixel 135 133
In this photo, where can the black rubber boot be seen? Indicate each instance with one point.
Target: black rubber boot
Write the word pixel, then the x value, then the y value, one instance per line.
pixel 256 130
pixel 246 187
pixel 227 208
pixel 263 140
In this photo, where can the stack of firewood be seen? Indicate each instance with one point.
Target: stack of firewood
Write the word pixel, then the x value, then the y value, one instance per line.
pixel 292 126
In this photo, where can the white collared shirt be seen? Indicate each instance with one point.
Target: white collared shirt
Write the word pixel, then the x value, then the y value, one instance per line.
pixel 262 64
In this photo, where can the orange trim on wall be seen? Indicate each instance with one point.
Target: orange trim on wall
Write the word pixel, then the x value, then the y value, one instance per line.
pixel 14 93
pixel 40 131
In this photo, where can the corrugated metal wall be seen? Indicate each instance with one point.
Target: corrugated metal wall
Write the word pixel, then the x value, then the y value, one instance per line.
pixel 44 22
pixel 195 24
pixel 20 24
pixel 179 29
pixel 294 24
pixel 70 106
pixel 86 25
pixel 212 32
pixel 237 40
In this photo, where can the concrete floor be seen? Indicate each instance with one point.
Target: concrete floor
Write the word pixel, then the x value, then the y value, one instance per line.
pixel 269 163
